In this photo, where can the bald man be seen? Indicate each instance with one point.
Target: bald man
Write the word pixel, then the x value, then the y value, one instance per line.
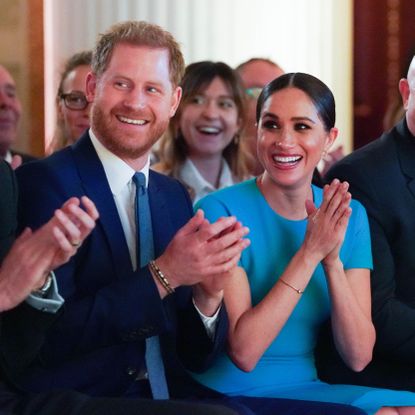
pixel 10 112
pixel 255 74
pixel 382 177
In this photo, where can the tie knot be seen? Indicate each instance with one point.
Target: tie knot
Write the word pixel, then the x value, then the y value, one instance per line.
pixel 140 181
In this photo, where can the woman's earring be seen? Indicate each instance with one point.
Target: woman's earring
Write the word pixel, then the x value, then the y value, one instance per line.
pixel 236 138
pixel 324 154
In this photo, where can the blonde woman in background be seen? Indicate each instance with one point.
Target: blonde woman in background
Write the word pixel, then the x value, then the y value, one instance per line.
pixel 202 148
pixel 72 105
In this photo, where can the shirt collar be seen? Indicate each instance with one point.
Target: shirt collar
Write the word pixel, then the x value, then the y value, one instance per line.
pixel 118 172
pixel 190 175
pixel 8 157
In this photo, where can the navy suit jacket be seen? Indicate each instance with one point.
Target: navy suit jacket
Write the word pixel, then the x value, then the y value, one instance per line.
pixel 98 344
pixel 382 177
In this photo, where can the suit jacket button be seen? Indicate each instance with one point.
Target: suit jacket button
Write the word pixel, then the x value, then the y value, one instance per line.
pixel 142 375
pixel 142 332
pixel 131 371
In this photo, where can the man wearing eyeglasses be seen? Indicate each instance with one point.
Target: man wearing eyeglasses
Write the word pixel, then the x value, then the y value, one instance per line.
pixel 10 112
pixel 255 74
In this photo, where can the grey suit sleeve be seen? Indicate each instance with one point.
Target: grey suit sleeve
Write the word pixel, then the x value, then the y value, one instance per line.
pixel 51 303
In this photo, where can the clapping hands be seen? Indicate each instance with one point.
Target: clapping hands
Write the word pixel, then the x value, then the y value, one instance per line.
pixel 35 254
pixel 327 224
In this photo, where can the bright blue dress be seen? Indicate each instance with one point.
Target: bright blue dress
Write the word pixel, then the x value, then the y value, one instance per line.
pixel 287 369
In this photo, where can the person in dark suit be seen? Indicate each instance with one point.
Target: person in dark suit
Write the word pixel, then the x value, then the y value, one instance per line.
pixel 114 301
pixel 10 111
pixel 23 329
pixel 381 176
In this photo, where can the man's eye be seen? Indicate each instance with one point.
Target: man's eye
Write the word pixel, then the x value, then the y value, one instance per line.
pixel 121 84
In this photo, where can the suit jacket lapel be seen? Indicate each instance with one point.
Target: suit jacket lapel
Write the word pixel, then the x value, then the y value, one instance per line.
pixel 160 215
pixel 96 187
pixel 406 154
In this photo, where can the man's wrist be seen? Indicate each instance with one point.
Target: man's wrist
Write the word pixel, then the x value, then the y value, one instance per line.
pixel 43 290
pixel 207 302
pixel 160 277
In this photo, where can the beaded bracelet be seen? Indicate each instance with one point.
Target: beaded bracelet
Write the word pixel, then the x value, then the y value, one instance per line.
pixel 156 271
pixel 297 290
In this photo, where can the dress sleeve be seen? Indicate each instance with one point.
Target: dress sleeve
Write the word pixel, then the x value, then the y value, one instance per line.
pixel 213 208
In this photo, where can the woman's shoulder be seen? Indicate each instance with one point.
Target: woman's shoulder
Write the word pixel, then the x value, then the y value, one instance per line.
pixel 234 192
pixel 228 201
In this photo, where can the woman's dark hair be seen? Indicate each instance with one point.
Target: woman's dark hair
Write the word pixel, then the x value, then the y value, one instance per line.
pixel 317 91
pixel 197 77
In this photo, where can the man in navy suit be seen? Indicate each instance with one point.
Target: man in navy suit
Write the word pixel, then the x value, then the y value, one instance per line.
pixel 113 302
pixel 382 177
pixel 23 276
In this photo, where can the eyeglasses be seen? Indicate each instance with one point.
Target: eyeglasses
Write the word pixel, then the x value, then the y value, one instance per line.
pixel 75 101
pixel 254 92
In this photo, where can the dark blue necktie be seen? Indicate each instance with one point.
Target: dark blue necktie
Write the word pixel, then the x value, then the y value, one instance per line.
pixel 145 253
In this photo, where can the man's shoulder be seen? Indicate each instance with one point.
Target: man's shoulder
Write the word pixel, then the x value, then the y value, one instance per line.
pixel 56 161
pixel 25 157
pixel 164 182
pixel 371 159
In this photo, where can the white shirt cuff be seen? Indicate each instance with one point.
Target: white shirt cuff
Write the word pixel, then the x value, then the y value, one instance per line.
pixel 210 323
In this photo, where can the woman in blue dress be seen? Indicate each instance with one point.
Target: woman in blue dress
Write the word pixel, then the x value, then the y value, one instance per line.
pixel 309 260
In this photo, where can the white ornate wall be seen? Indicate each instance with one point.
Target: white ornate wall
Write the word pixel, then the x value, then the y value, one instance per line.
pixel 312 36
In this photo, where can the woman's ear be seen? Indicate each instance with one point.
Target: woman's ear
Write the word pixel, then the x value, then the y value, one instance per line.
pixel 331 138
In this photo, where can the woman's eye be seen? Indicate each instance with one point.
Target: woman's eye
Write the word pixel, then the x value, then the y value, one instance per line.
pixel 75 100
pixel 301 126
pixel 270 125
pixel 226 103
pixel 197 99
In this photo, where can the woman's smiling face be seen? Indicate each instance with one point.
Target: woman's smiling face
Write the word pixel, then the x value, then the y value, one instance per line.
pixel 209 120
pixel 291 137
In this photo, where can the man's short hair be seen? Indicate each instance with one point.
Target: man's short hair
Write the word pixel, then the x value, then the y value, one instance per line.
pixel 253 60
pixel 138 33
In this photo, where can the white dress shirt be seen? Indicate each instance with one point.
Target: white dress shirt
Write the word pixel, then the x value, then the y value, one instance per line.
pixel 190 175
pixel 119 175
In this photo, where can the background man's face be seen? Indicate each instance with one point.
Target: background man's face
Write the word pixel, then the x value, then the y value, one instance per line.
pixel 10 110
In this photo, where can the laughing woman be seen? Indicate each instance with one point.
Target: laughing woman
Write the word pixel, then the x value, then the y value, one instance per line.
pixel 309 260
pixel 202 147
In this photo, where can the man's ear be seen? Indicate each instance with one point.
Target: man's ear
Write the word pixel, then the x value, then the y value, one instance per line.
pixel 175 100
pixel 91 86
pixel 404 91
